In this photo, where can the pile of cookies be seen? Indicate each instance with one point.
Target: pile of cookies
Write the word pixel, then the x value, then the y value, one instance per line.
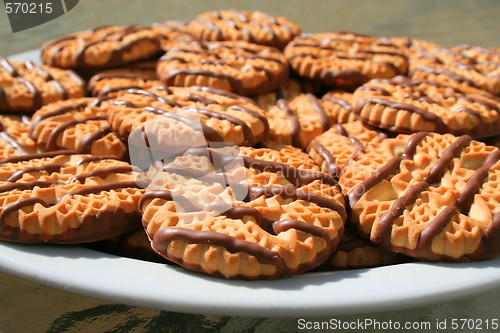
pixel 237 146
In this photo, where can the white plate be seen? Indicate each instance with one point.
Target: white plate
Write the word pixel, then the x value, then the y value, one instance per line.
pixel 91 273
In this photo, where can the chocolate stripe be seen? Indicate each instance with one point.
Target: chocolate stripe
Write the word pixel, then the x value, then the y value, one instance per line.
pixel 324 120
pixel 24 186
pixel 54 135
pixel 13 143
pixel 165 236
pixel 88 141
pixel 450 153
pixel 181 200
pixel 50 168
pixel 62 110
pixel 18 205
pixel 434 228
pixel 387 169
pixel 330 161
pixel 382 235
pixel 293 121
pixel 103 173
pixel 28 157
pixel 105 188
pixel 475 182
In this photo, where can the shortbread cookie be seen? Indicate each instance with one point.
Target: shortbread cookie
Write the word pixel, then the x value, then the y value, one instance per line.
pixel 338 104
pixel 341 145
pixel 471 65
pixel 427 195
pixel 171 31
pixel 345 59
pixel 251 26
pixel 300 120
pixel 14 137
pixel 189 117
pixel 26 86
pixel 290 89
pixel 102 47
pixel 237 66
pixel 244 213
pixel 138 76
pixel 355 252
pixel 77 124
pixel 404 105
pixel 64 198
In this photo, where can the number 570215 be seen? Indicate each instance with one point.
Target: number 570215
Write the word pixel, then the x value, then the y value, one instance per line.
pixel 28 8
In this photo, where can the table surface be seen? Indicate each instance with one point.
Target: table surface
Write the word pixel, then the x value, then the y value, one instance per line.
pixel 30 307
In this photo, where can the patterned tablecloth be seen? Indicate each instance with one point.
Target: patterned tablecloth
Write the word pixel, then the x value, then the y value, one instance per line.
pixel 30 307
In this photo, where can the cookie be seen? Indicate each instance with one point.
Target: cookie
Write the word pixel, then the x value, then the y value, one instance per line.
pixel 134 244
pixel 26 86
pixel 171 31
pixel 251 26
pixel 405 105
pixel 341 145
pixel 138 76
pixel 243 213
pixel 14 136
pixel 355 252
pixel 187 117
pixel 298 121
pixel 345 59
pixel 338 104
pixel 429 196
pixel 466 64
pixel 77 124
pixel 60 197
pixel 290 89
pixel 102 47
pixel 237 66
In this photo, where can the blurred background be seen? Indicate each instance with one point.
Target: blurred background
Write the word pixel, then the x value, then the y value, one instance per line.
pixel 447 22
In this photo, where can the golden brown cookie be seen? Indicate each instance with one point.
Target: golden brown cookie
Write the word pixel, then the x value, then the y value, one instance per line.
pixel 102 47
pixel 237 66
pixel 171 31
pixel 405 105
pixel 429 196
pixel 466 64
pixel 59 197
pixel 345 59
pixel 14 137
pixel 338 104
pixel 290 89
pixel 77 124
pixel 138 76
pixel 251 26
pixel 355 252
pixel 191 117
pixel 243 213
pixel 26 86
pixel 341 145
pixel 298 121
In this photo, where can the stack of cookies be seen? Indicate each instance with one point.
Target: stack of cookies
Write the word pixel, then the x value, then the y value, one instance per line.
pixel 237 146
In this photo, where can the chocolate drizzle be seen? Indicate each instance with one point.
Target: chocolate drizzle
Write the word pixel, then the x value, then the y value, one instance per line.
pixel 329 160
pixel 104 188
pixel 324 120
pixel 62 110
pixel 165 236
pixel 88 141
pixel 475 182
pixel 18 205
pixel 103 173
pixel 13 142
pixel 50 168
pixel 439 125
pixel 387 169
pixel 294 122
pixel 54 135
